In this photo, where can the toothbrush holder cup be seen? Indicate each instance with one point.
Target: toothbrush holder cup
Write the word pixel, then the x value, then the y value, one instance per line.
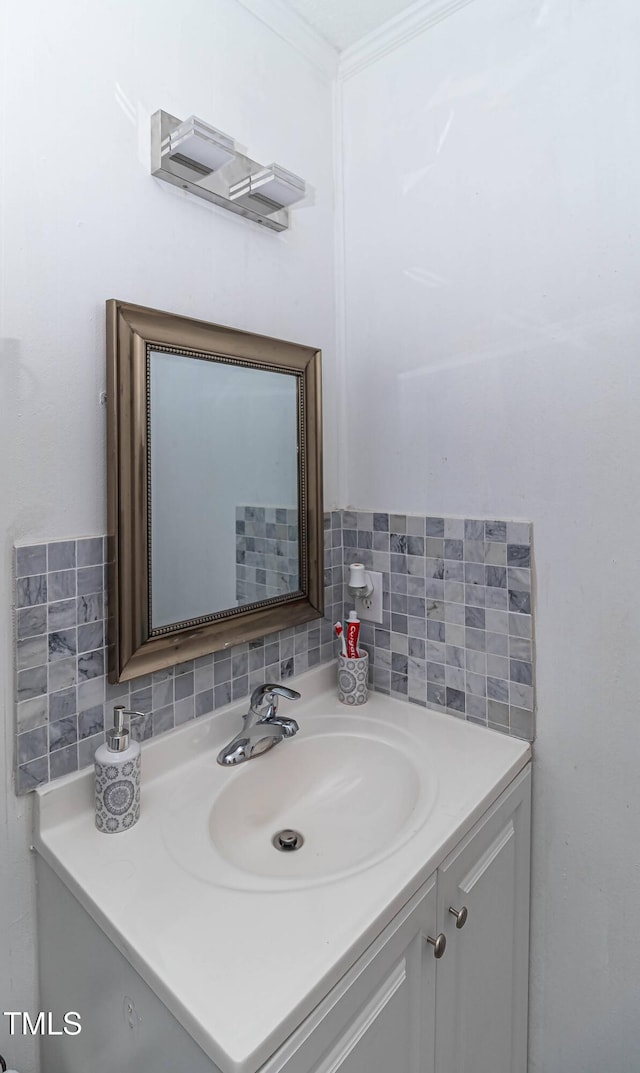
pixel 353 677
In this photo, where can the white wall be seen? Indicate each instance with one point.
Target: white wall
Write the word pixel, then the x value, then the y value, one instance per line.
pixel 82 221
pixel 492 272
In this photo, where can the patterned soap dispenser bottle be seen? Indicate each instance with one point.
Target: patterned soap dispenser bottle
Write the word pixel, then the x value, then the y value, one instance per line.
pixel 118 777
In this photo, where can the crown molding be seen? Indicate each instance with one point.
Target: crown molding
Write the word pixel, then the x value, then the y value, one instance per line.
pixel 293 29
pixel 417 18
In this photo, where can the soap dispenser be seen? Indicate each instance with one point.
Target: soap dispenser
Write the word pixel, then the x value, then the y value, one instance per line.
pixel 118 777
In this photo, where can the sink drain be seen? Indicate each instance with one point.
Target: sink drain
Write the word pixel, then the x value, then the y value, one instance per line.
pixel 287 840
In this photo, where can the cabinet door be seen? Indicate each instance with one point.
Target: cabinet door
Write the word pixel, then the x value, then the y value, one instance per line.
pixel 482 984
pixel 380 1017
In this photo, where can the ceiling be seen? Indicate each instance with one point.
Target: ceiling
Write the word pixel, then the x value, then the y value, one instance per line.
pixel 343 22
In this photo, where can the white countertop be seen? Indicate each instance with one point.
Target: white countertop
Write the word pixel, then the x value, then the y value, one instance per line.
pixel 213 952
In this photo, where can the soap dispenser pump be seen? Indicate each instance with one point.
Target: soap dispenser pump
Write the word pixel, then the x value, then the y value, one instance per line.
pixel 117 766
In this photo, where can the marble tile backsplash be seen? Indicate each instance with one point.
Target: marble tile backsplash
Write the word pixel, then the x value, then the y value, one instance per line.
pixel 457 636
pixel 457 633
pixel 62 693
pixel 267 550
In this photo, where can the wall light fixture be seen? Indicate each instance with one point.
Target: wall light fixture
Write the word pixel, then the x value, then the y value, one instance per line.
pixel 205 162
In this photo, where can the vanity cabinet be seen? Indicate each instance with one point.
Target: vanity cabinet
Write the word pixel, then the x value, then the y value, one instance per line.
pixel 410 1006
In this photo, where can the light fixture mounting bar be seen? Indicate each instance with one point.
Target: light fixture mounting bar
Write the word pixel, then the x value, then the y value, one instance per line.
pixel 189 174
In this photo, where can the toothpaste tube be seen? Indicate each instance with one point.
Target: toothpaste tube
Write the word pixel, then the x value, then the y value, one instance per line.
pixel 340 635
pixel 353 633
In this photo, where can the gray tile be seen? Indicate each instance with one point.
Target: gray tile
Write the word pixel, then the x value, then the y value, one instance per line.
pixel 498 713
pixel 455 699
pixel 63 732
pixel 32 775
pixel 434 527
pixel 90 608
pixel 436 694
pixel 454 592
pixel 63 703
pixel 90 551
pixel 163 719
pixel 518 533
pixel 474 551
pixel 61 584
pixel 184 710
pixel 31 559
pixel 519 579
pixel 497 621
pixel 497 689
pixel 31 683
pixel 520 602
pixel 62 674
pixel 141 700
pixel 381 523
pixel 32 745
pixel 162 692
pixel 31 590
pixel 61 614
pixel 476 708
pixel 497 666
pixel 475 639
pixel 92 692
pixel 496 598
pixel 31 621
pixel 204 702
pixel 521 695
pixel 497 644
pixel 31 713
pixel 455 678
pixel 87 750
pixel 495 554
pixel 520 648
pixel 476 662
pixel 63 761
pixel 142 726
pixel 474 616
pixel 91 722
pixel 61 555
pixel 90 665
pixel 184 685
pixel 31 652
pixel 521 671
pixel 90 580
pixel 62 644
pixel 496 577
pixel 397 523
pixel 520 625
pixel 496 531
pixel 473 530
pixel 521 723
pixel 90 636
pixel 453 549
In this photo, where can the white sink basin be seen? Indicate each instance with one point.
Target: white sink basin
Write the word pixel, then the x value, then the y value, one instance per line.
pixel 355 789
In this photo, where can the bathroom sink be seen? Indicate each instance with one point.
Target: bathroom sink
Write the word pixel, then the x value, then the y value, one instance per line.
pixel 341 795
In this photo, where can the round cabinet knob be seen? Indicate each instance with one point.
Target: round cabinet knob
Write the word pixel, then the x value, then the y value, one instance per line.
pixel 439 944
pixel 460 915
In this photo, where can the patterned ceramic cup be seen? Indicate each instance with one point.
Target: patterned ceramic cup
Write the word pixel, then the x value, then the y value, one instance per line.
pixel 352 679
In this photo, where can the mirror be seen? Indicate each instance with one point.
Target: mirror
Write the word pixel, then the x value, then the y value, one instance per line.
pixel 214 476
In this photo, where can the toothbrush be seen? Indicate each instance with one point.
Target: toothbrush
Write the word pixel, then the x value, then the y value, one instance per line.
pixel 340 636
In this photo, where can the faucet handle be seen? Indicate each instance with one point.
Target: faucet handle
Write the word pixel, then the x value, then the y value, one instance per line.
pixel 260 692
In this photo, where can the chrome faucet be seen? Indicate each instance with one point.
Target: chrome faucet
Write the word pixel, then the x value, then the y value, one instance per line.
pixel 262 727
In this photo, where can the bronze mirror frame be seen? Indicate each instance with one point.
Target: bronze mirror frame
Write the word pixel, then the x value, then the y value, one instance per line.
pixel 132 333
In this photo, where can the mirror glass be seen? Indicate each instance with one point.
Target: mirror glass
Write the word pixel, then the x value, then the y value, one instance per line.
pixel 224 486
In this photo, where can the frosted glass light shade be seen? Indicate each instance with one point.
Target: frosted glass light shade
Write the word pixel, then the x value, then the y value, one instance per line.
pixel 275 183
pixel 197 141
